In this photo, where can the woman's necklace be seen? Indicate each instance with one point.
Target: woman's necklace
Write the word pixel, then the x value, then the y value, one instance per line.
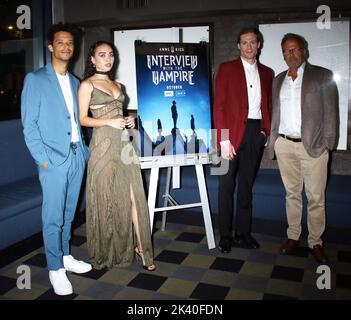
pixel 102 72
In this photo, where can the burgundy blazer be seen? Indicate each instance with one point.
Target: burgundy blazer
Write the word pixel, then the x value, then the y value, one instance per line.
pixel 231 104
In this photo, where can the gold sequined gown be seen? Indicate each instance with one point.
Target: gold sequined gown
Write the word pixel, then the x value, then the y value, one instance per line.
pixel 111 239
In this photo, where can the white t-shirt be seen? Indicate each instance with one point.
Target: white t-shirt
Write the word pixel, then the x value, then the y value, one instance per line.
pixel 67 93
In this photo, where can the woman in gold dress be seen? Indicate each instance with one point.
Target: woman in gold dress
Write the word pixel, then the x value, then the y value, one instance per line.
pixel 117 217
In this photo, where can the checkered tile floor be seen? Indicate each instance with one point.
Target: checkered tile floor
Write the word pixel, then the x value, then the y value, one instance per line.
pixel 187 269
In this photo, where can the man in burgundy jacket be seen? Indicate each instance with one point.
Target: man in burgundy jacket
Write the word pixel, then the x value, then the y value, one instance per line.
pixel 242 116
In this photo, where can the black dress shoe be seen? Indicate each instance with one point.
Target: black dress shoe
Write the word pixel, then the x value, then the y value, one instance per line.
pixel 225 244
pixel 245 240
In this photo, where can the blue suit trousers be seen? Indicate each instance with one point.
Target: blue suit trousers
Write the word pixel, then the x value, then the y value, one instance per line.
pixel 61 187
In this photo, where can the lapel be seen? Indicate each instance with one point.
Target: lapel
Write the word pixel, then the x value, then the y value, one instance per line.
pixel 279 82
pixel 74 95
pixel 262 84
pixel 55 85
pixel 276 95
pixel 240 73
pixel 306 84
pixel 57 91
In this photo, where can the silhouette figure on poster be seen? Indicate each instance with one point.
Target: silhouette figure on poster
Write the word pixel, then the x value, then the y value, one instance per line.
pixel 174 114
pixel 193 144
pixel 160 138
pixel 173 143
pixel 192 123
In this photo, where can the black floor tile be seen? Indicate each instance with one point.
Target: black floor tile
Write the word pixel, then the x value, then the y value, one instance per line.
pixel 93 274
pixel 6 284
pixel 190 237
pixel 287 273
pixel 102 290
pixel 20 249
pixel 302 252
pixel 147 281
pixel 204 291
pixel 171 256
pixel 39 260
pixel 50 295
pixel 77 241
pixel 268 296
pixel 343 281
pixel 344 256
pixel 226 264
pixel 312 292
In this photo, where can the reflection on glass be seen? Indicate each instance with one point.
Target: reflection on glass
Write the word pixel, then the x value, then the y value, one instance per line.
pixel 20 50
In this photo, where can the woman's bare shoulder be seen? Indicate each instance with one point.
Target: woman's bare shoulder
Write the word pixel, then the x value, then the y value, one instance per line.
pixel 86 85
pixel 118 85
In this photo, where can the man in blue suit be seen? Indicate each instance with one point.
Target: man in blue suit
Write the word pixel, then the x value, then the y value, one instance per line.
pixel 53 135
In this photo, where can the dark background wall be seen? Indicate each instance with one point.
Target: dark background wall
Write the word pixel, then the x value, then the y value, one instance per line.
pixel 227 17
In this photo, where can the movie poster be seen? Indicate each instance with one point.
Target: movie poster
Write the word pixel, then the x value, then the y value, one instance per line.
pixel 174 104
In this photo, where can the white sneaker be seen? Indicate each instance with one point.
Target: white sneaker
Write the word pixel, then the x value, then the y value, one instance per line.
pixel 73 265
pixel 60 282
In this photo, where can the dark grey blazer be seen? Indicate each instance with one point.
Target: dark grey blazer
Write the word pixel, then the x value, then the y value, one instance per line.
pixel 319 111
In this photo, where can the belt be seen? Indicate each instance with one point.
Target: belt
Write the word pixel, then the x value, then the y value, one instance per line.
pixel 289 138
pixel 74 146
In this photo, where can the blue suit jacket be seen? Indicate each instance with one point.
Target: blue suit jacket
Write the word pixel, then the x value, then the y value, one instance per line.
pixel 45 118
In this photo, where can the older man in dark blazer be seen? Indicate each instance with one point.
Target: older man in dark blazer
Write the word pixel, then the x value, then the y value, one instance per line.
pixel 304 130
pixel 242 116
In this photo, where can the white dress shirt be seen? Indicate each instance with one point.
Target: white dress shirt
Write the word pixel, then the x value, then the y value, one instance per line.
pixel 253 85
pixel 290 104
pixel 67 93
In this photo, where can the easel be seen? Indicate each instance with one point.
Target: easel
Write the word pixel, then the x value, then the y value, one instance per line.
pixel 175 162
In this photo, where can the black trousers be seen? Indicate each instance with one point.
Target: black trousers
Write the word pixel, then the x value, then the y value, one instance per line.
pixel 243 167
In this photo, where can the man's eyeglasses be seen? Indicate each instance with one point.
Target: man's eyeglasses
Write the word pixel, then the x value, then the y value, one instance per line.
pixel 290 51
